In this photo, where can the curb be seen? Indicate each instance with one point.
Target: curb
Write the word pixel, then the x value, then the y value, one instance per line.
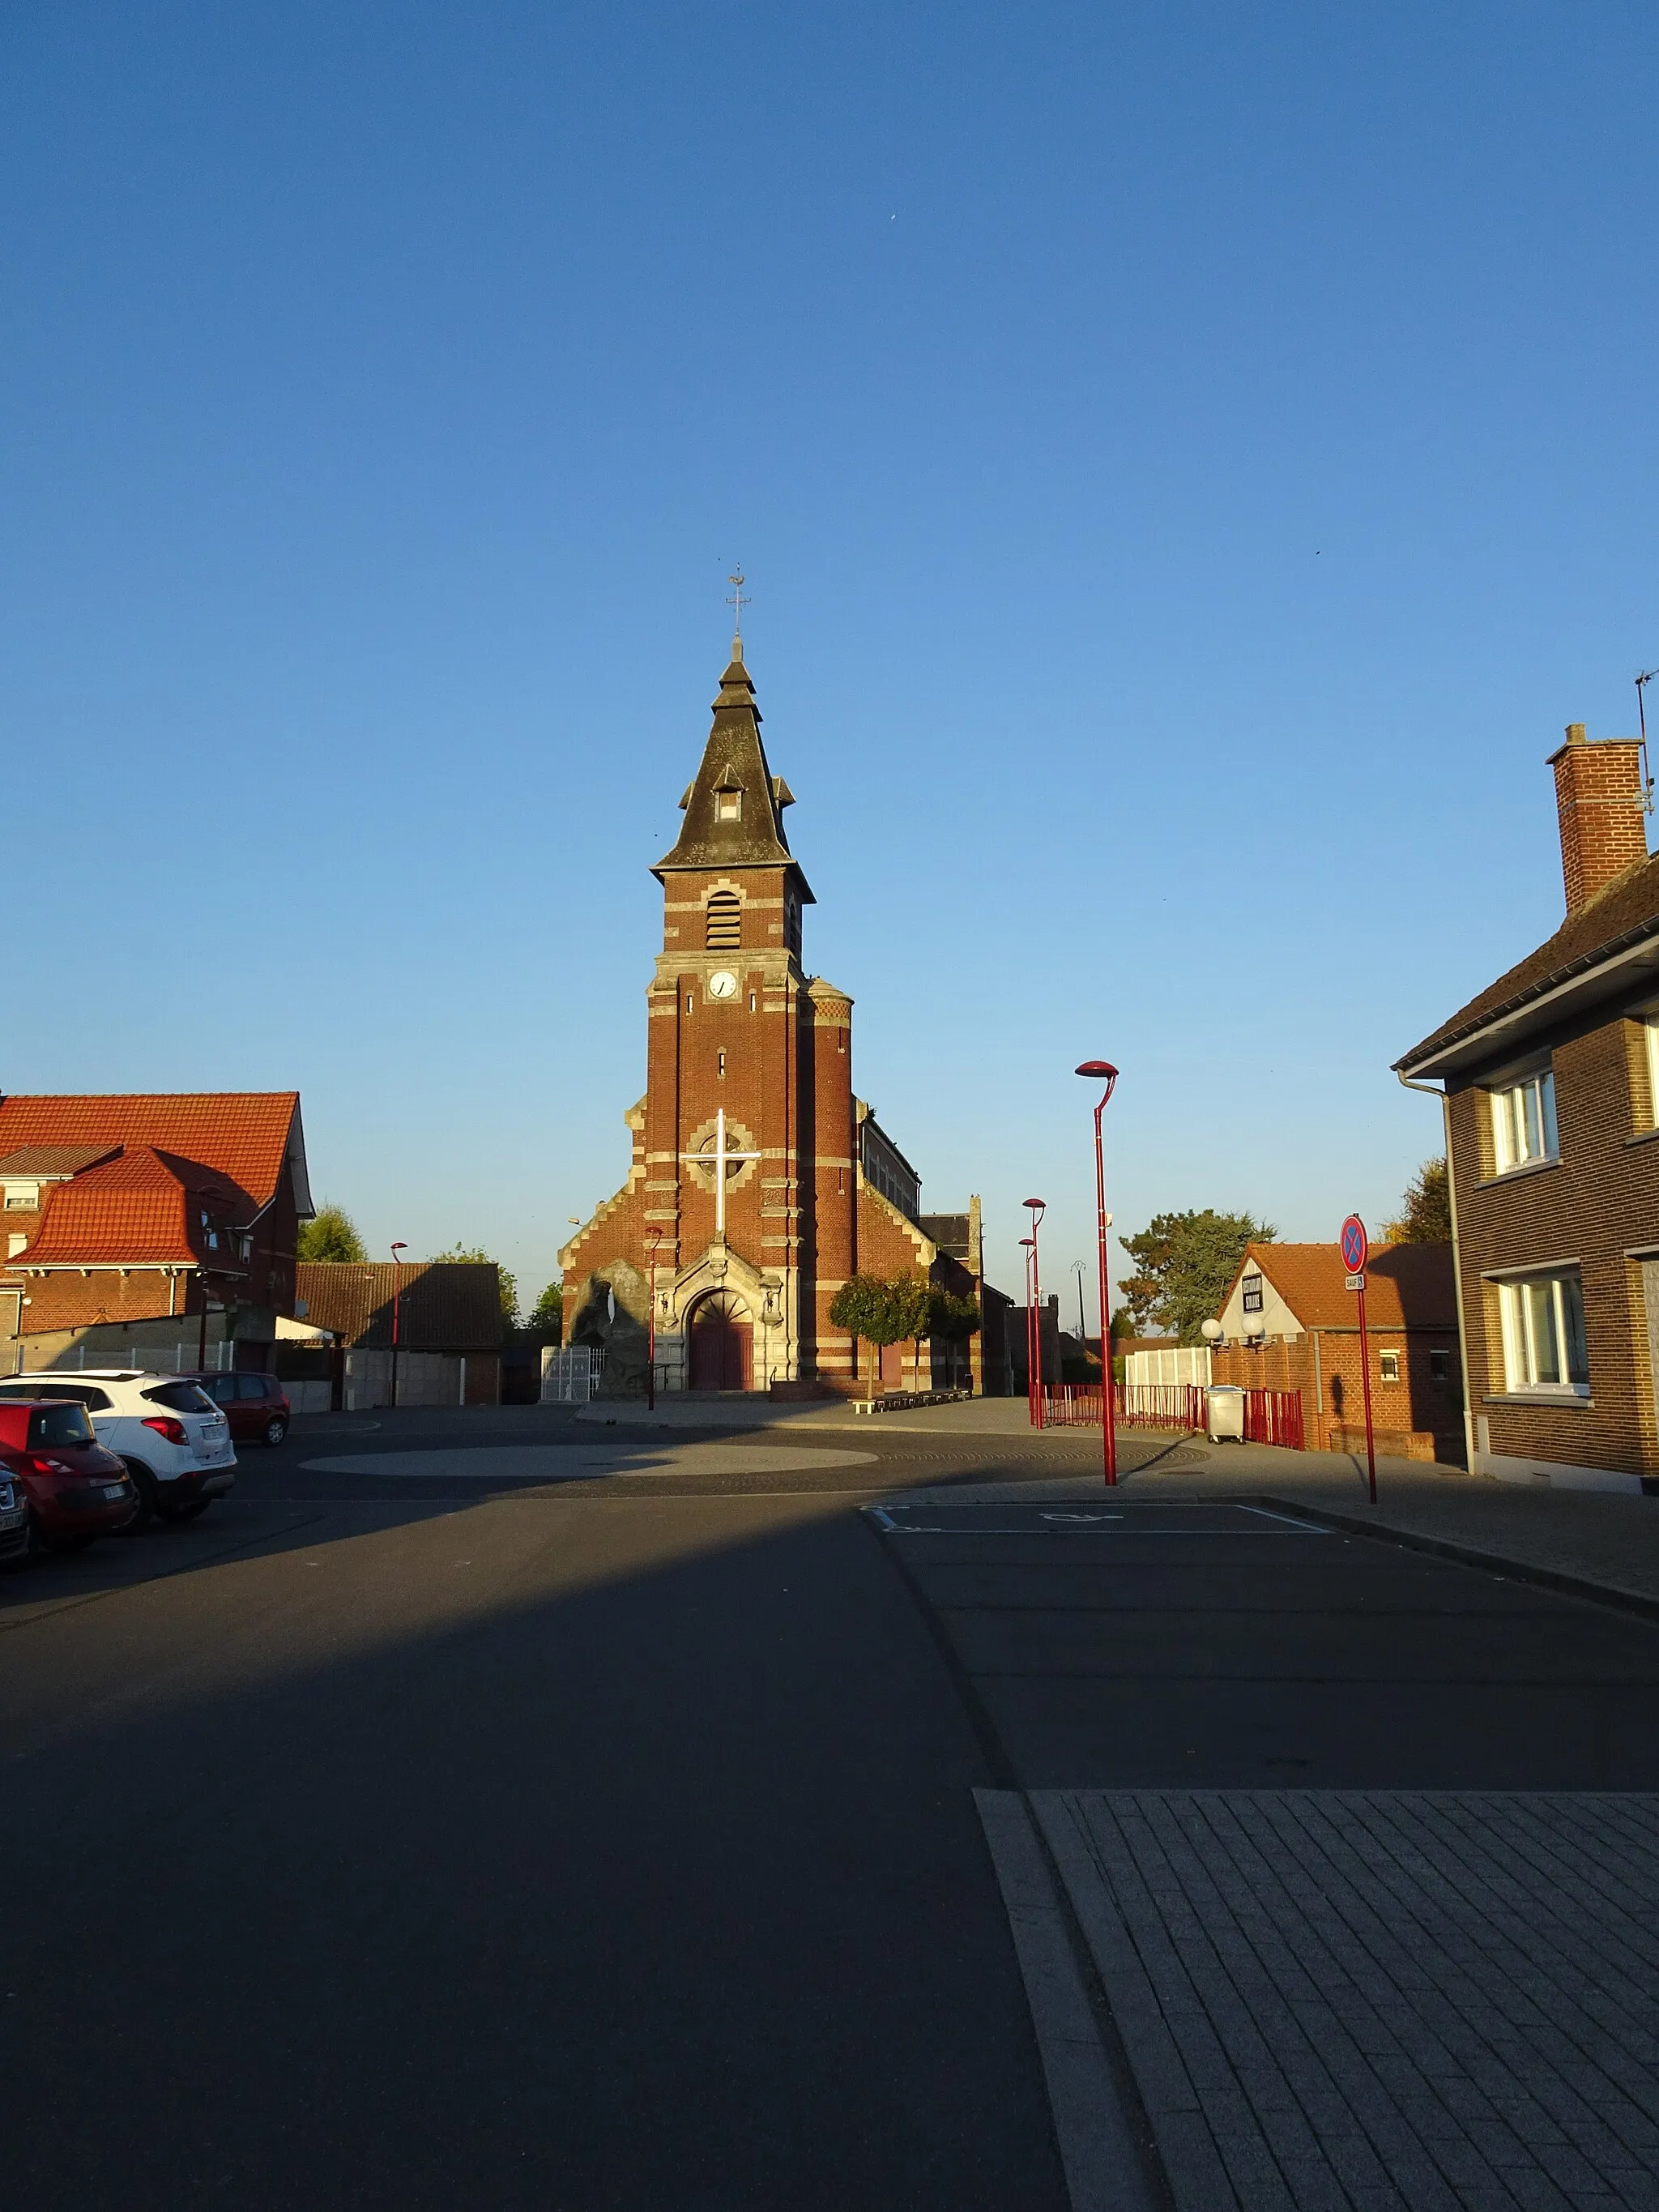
pixel 1468 1555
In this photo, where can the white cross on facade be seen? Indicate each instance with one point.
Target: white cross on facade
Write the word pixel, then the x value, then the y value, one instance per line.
pixel 717 1160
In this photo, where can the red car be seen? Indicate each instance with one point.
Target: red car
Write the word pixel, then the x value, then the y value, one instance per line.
pixel 255 1405
pixel 73 1489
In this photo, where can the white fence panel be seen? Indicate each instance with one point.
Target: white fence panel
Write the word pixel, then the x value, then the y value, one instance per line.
pixel 570 1373
pixel 1181 1363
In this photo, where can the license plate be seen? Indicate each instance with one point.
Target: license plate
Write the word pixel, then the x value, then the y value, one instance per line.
pixel 11 1519
pixel 115 1490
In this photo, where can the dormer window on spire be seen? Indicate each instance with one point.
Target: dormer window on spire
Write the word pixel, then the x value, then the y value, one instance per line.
pixel 728 804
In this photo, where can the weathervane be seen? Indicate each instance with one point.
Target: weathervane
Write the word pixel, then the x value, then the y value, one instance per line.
pixel 736 600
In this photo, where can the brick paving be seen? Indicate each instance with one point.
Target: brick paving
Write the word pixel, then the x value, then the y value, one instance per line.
pixel 1380 2001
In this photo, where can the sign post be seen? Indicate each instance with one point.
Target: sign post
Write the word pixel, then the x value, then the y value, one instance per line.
pixel 1356 1250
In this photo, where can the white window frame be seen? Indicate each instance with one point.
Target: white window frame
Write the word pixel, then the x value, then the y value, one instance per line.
pixel 22 1198
pixel 1523 1130
pixel 728 805
pixel 1543 1333
pixel 1650 1030
pixel 1391 1359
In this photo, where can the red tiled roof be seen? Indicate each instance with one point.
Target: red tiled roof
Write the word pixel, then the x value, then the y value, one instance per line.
pixel 448 1305
pixel 1406 1285
pixel 1623 914
pixel 243 1134
pixel 131 1210
pixel 52 1160
pixel 142 1208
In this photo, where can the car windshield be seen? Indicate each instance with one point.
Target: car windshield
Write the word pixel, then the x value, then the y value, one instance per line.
pixel 52 1427
pixel 182 1397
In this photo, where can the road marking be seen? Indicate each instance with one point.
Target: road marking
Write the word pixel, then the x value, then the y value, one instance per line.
pixel 1103 2170
pixel 1307 1528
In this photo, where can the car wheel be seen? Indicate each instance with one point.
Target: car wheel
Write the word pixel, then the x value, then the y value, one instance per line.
pixel 57 1543
pixel 144 1483
pixel 275 1429
pixel 15 1562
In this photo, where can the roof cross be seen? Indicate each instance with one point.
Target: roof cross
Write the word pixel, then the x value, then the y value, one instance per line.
pixel 736 600
pixel 717 1160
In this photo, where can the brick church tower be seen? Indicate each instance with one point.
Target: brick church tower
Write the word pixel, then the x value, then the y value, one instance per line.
pixel 746 1200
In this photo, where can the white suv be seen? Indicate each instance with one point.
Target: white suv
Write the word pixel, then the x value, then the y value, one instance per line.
pixel 175 1441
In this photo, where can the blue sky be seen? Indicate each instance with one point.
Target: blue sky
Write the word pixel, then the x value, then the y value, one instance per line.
pixel 1190 462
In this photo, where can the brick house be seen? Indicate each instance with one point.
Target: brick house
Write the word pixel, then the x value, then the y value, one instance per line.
pixel 759 1181
pixel 449 1332
pixel 1290 1322
pixel 152 1229
pixel 1549 1081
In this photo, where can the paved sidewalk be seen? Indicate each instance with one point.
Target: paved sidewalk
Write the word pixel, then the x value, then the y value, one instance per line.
pixel 1380 2001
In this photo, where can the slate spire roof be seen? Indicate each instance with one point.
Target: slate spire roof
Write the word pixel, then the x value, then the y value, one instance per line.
pixel 749 835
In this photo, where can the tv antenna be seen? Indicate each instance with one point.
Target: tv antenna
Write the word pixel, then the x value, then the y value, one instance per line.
pixel 1642 683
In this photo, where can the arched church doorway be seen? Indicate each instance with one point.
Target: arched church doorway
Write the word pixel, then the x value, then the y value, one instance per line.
pixel 722 1343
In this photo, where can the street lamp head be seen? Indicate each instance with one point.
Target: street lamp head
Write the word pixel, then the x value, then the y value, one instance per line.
pixel 400 1248
pixel 1037 1206
pixel 1100 1071
pixel 1027 1242
pixel 1211 1331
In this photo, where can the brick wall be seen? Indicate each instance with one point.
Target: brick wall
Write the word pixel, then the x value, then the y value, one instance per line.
pixel 1599 1200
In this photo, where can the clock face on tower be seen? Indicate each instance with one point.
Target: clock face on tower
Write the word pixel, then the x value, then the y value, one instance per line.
pixel 722 984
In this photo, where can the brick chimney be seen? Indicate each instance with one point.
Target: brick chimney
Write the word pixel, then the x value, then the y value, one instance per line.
pixel 1599 800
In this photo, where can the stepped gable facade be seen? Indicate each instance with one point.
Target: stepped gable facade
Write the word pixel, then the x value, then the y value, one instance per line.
pixel 759 1182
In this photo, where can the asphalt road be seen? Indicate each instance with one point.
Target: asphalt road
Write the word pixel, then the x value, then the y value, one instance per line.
pixel 597 1831
pixel 545 1849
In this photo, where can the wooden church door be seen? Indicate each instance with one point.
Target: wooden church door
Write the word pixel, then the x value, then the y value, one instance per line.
pixel 722 1343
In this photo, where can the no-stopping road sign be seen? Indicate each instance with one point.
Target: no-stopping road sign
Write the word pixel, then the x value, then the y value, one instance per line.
pixel 1355 1245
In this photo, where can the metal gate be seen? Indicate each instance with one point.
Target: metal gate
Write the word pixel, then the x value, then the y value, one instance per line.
pixel 570 1373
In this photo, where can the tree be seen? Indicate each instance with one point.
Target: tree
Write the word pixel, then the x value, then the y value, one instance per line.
pixel 864 1307
pixel 1425 1209
pixel 1184 1264
pixel 477 1256
pixel 956 1319
pixel 546 1321
pixel 329 1235
pixel 913 1312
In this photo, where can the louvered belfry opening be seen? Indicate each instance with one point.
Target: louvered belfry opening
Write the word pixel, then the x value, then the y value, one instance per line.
pixel 725 922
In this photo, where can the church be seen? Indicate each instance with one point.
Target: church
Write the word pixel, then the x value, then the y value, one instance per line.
pixel 759 1181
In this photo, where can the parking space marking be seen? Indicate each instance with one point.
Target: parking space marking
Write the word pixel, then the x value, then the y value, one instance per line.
pixel 1088 1524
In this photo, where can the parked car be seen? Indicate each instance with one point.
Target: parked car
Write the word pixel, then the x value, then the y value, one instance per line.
pixel 15 1534
pixel 175 1441
pixel 255 1406
pixel 70 1488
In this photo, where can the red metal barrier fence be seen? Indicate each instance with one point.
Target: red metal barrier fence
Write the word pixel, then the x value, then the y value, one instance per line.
pixel 1177 1406
pixel 1271 1417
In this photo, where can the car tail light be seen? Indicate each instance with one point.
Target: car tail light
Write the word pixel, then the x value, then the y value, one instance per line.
pixel 164 1425
pixel 43 1463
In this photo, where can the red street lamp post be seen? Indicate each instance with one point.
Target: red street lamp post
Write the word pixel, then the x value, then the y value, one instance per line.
pixel 1031 1401
pixel 396 1302
pixel 1101 1071
pixel 651 1329
pixel 1037 1207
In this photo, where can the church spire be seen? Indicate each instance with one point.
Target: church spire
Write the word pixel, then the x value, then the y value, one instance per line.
pixel 734 805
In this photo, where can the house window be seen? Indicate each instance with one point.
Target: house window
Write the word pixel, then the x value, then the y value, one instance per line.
pixel 1543 1319
pixel 1440 1367
pixel 1650 1032
pixel 1523 1121
pixel 728 807
pixel 22 1197
pixel 15 1245
pixel 1390 1365
pixel 724 927
pixel 1251 1286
